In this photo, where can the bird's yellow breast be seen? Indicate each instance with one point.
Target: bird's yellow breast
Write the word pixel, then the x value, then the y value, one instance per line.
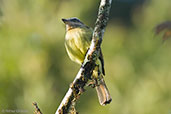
pixel 77 42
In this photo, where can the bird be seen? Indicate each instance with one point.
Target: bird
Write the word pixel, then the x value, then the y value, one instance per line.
pixel 77 42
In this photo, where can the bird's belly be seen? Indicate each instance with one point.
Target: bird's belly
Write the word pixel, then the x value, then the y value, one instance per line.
pixel 76 49
pixel 77 42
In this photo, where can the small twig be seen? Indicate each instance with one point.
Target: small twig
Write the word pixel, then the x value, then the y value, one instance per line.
pixel 37 109
pixel 77 87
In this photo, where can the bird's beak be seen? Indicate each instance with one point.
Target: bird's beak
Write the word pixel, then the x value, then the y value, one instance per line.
pixel 65 20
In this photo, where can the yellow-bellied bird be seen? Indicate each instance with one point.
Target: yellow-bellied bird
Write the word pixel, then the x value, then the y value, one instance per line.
pixel 77 41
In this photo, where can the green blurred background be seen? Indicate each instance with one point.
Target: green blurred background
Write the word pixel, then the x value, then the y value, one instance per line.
pixel 34 65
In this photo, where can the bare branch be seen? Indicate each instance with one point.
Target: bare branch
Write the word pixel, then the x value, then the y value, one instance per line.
pixel 84 75
pixel 37 109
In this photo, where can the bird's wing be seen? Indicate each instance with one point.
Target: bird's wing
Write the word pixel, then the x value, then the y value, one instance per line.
pixel 89 32
pixel 102 61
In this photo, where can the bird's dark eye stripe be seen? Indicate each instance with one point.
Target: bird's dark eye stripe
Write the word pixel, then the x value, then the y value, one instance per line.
pixel 75 20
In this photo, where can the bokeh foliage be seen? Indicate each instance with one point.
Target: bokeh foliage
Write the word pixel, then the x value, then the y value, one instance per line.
pixel 34 65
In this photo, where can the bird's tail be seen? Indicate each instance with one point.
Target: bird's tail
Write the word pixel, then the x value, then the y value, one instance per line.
pixel 103 93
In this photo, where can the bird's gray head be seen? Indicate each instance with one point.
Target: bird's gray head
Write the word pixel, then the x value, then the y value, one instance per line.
pixel 72 23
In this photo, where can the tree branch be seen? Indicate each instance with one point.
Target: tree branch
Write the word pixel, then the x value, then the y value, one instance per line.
pixel 84 75
pixel 37 109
